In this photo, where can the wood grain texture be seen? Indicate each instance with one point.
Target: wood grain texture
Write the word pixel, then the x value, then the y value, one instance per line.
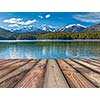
pixel 87 73
pixel 88 65
pixel 90 61
pixel 34 78
pixel 96 61
pixel 51 73
pixel 8 69
pixel 54 77
pixel 74 78
pixel 23 69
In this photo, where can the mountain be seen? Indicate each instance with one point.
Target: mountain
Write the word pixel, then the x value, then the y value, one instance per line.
pixel 7 35
pixel 94 28
pixel 4 31
pixel 27 29
pixel 50 32
pixel 45 28
pixel 48 28
pixel 73 28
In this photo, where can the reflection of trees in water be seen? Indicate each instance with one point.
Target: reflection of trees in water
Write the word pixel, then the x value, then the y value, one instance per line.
pixel 96 51
pixel 84 49
pixel 4 50
pixel 49 49
pixel 3 47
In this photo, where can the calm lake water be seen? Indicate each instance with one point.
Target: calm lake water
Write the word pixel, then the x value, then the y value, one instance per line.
pixel 49 49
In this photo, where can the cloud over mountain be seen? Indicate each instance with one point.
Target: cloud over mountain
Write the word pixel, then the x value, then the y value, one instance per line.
pixel 12 20
pixel 18 22
pixel 13 25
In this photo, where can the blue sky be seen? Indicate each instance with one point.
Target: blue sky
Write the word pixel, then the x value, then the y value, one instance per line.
pixel 15 20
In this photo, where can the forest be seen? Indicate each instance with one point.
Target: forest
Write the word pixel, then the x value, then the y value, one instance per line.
pixel 53 35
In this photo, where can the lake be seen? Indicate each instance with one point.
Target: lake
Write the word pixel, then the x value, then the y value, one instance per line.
pixel 49 49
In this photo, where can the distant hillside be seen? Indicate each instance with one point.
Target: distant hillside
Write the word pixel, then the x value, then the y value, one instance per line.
pixel 3 31
pixel 71 35
pixel 6 34
pixel 93 28
pixel 75 31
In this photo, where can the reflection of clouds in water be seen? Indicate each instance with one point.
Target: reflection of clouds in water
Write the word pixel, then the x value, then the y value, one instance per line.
pixel 28 54
pixel 44 50
pixel 66 51
pixel 13 52
pixel 71 51
pixel 49 50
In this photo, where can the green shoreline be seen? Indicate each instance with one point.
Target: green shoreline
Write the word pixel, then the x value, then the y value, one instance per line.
pixel 52 36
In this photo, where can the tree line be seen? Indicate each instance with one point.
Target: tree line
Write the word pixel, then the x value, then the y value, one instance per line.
pixel 71 35
pixel 52 35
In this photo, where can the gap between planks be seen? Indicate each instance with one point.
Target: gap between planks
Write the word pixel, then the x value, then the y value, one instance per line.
pixel 73 73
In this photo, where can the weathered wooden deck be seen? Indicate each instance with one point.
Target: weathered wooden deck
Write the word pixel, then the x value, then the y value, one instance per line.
pixel 66 73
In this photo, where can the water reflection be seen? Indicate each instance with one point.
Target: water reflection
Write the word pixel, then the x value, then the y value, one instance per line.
pixel 50 50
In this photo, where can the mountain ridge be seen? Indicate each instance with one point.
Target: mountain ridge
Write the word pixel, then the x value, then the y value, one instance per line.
pixel 48 28
pixel 4 31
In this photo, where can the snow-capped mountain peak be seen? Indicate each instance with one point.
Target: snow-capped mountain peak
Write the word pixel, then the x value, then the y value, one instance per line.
pixel 50 28
pixel 73 28
pixel 75 25
pixel 44 28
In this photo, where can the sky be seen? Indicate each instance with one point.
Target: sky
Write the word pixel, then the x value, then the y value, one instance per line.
pixel 17 20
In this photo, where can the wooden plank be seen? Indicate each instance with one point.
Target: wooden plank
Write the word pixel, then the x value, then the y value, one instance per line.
pixel 13 67
pixel 74 78
pixel 6 61
pixel 90 66
pixel 3 60
pixel 10 83
pixel 97 59
pixel 94 60
pixel 91 62
pixel 34 78
pixel 11 62
pixel 54 77
pixel 30 73
pixel 87 73
pixel 18 71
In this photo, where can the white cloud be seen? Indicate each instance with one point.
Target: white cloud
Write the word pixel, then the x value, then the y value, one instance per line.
pixel 29 22
pixel 13 25
pixel 92 17
pixel 47 16
pixel 12 20
pixel 41 17
pixel 18 22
